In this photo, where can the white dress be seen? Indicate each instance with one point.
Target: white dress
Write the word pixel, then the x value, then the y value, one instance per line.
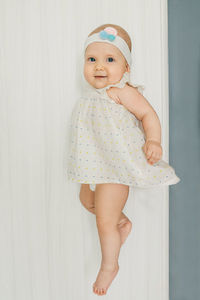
pixel 106 143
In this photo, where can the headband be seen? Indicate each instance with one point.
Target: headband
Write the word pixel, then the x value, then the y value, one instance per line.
pixel 109 35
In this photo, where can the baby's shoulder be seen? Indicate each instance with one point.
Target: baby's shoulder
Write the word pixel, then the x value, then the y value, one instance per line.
pixel 132 89
pixel 129 89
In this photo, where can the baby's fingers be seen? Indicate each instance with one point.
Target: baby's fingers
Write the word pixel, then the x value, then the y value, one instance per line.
pixel 158 154
pixel 149 153
pixel 116 99
pixel 154 158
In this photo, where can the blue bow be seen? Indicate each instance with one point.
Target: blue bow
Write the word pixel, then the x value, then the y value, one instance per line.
pixel 106 36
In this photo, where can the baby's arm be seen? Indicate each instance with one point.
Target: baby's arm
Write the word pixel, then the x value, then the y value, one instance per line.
pixel 136 103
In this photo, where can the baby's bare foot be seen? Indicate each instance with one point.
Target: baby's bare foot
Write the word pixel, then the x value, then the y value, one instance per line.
pixel 104 279
pixel 125 227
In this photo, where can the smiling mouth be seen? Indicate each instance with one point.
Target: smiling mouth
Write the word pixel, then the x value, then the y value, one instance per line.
pixel 100 76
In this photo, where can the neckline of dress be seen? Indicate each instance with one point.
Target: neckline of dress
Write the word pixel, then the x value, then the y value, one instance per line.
pixel 90 89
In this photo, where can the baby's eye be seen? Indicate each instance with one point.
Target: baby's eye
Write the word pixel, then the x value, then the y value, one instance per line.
pixel 93 59
pixel 110 59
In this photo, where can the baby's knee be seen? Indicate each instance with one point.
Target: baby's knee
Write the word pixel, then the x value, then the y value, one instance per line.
pixel 107 223
pixel 86 196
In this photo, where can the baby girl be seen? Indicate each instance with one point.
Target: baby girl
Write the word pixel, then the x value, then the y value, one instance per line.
pixel 107 146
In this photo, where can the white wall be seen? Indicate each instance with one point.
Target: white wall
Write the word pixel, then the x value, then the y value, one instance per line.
pixel 49 243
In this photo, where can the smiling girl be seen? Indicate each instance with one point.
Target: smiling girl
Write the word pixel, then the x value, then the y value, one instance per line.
pixel 108 149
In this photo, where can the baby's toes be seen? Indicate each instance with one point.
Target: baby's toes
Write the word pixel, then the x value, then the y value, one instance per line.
pixel 102 292
pixel 99 291
pixel 94 289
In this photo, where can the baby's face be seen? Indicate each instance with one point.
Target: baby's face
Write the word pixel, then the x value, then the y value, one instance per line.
pixel 104 65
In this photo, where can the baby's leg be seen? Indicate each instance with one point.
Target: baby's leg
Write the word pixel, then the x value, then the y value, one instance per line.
pixel 87 199
pixel 110 199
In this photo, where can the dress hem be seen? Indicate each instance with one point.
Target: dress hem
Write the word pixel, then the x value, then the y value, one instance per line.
pixel 172 181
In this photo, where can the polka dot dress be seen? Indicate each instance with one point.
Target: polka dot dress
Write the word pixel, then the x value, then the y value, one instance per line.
pixel 106 143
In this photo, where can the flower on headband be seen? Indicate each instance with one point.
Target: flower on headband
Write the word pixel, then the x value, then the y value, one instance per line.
pixel 109 33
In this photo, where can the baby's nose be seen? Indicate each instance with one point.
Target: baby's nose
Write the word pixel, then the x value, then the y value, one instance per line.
pixel 99 67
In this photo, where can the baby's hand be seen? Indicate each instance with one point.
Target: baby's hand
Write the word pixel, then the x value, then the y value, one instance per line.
pixel 153 151
pixel 113 94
